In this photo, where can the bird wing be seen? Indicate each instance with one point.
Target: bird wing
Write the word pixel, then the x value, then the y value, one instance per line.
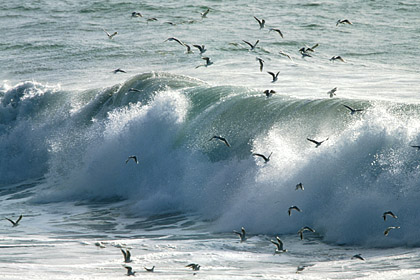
pixel 198 47
pixel 125 254
pixel 277 245
pixel 260 155
pixel 259 21
pixel 272 74
pixel 280 243
pixel 313 141
pixel 256 43
pixel 248 43
pixel 348 107
pixel 106 32
pixel 10 221
pixel 314 46
pixel 20 218
pixel 128 255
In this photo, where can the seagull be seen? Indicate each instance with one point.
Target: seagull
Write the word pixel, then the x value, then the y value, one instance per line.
pixel 130 271
pixel 316 142
pixel 275 76
pixel 127 255
pixel 261 63
pixel 133 158
pixel 204 14
pixel 201 48
pixel 251 45
pixel 285 54
pixel 152 19
pixel 304 54
pixel 266 159
pixel 188 49
pixel 119 70
pixel 15 224
pixel 269 93
pixel 353 110
pixel 293 208
pixel 300 268
pixel 176 40
pixel 276 30
pixel 194 266
pixel 208 62
pixel 260 22
pixel 221 139
pixel 343 21
pixel 390 214
pixel 332 92
pixel 299 186
pixel 304 229
pixel 136 14
pixel 241 234
pixel 279 245
pixel 358 256
pixel 150 269
pixel 337 57
pixel 308 49
pixel 110 36
pixel 388 229
pixel 134 89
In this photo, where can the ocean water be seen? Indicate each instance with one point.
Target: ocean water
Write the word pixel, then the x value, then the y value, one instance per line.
pixel 68 124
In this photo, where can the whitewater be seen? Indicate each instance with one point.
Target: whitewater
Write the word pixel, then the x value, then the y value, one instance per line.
pixel 68 125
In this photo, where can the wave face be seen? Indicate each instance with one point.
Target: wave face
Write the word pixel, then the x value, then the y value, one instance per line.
pixel 80 143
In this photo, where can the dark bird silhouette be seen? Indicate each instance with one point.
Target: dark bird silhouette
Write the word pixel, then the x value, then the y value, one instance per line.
pixel 208 62
pixel 201 48
pixel 318 143
pixel 275 76
pixel 150 269
pixel 293 208
pixel 343 21
pixel 279 245
pixel 266 159
pixel 269 92
pixel 300 232
pixel 130 271
pixel 242 234
pixel 127 255
pixel 261 63
pixel 358 256
pixel 276 30
pixel 299 186
pixel 119 70
pixel 220 138
pixel 352 111
pixel 389 213
pixel 15 224
pixel 136 14
pixel 194 266
pixel 252 46
pixel 332 92
pixel 133 158
pixel 260 22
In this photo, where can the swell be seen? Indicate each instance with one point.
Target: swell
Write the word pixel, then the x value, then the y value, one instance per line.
pixel 80 143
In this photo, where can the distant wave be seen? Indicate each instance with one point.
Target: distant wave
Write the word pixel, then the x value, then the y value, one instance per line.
pixel 80 141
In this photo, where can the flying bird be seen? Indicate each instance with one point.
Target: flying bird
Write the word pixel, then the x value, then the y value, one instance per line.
pixel 269 92
pixel 332 92
pixel 358 256
pixel 276 30
pixel 293 208
pixel 119 70
pixel 242 234
pixel 220 138
pixel 415 146
pixel 389 213
pixel 150 269
pixel 337 57
pixel 261 61
pixel 352 111
pixel 266 159
pixel 136 14
pixel 260 22
pixel 275 76
pixel 110 36
pixel 279 245
pixel 152 19
pixel 300 268
pixel 308 49
pixel 201 48
pixel 318 143
pixel 130 271
pixel 252 46
pixel 208 62
pixel 300 232
pixel 204 14
pixel 299 186
pixel 127 255
pixel 285 54
pixel 176 40
pixel 188 49
pixel 134 89
pixel 343 21
pixel 15 224
pixel 194 266
pixel 388 229
pixel 133 158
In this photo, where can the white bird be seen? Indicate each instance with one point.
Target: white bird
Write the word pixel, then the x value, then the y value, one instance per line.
pixel 220 138
pixel 343 21
pixel 260 22
pixel 352 111
pixel 276 30
pixel 390 214
pixel 318 143
pixel 285 54
pixel 266 159
pixel 133 158
pixel 208 62
pixel 293 208
pixel 299 186
pixel 242 234
pixel 201 48
pixel 261 61
pixel 194 266
pixel 252 46
pixel 358 256
pixel 110 36
pixel 388 229
pixel 15 224
pixel 275 76
pixel 337 57
pixel 279 245
pixel 150 269
pixel 127 255
pixel 332 92
pixel 130 271
pixel 300 232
